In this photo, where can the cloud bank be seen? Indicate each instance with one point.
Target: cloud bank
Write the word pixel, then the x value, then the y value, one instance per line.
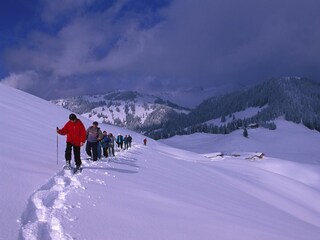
pixel 91 46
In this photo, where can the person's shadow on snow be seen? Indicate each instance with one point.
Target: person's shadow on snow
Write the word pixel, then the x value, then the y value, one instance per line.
pixel 110 169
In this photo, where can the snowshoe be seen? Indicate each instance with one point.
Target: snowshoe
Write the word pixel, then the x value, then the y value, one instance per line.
pixel 67 166
pixel 77 170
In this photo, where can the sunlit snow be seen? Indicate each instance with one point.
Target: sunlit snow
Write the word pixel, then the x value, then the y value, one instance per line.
pixel 180 188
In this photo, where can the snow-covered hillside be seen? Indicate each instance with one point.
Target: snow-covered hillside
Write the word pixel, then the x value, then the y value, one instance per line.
pixel 296 99
pixel 247 113
pixel 290 141
pixel 148 192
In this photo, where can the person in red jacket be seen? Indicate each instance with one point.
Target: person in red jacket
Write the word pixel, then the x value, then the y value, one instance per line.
pixel 76 137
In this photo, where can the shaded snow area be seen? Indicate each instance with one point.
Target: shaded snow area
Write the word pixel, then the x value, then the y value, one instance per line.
pixel 201 190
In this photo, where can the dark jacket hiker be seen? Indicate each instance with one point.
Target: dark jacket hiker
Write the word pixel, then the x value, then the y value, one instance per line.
pixel 93 135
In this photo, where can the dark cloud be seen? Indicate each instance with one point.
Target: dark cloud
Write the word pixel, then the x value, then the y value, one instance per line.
pixel 83 47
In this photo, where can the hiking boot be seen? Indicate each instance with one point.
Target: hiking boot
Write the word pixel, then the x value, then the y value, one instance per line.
pixel 77 169
pixel 68 165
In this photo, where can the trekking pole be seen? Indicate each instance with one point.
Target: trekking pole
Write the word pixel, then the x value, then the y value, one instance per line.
pixel 57 150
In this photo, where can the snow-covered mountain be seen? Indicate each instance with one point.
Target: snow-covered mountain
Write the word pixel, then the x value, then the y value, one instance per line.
pixel 129 109
pixel 155 191
pixel 293 98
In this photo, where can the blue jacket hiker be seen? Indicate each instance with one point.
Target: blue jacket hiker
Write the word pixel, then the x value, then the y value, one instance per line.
pixel 119 141
pixel 105 143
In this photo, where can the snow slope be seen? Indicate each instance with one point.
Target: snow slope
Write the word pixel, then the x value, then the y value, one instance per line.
pixel 249 112
pixel 147 192
pixel 290 141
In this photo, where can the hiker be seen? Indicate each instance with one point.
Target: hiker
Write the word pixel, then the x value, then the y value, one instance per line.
pixel 76 137
pixel 93 135
pixel 145 141
pixel 111 144
pixel 129 140
pixel 120 141
pixel 126 142
pixel 105 143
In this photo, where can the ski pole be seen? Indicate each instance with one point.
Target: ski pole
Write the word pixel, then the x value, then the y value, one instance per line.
pixel 57 150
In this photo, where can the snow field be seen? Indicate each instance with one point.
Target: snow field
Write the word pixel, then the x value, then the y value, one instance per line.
pixel 155 191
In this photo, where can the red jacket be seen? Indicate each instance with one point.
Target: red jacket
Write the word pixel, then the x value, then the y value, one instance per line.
pixel 75 131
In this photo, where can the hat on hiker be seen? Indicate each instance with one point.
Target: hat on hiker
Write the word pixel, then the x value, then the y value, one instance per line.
pixel 72 117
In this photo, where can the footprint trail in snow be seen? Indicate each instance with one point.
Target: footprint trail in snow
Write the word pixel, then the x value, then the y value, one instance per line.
pixel 46 207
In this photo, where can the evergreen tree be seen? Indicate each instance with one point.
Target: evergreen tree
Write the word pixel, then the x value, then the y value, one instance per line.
pixel 245 132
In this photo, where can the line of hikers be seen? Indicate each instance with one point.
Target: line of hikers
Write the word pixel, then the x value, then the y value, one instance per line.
pixel 96 140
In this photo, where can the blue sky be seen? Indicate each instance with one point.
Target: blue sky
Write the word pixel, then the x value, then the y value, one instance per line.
pixel 65 48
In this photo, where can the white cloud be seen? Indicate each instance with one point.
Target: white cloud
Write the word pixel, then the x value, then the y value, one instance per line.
pixel 21 81
pixel 212 43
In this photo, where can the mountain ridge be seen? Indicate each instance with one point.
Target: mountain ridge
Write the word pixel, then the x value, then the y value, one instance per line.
pixel 296 99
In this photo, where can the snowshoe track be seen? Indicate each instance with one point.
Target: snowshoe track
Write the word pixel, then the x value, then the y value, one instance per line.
pixel 46 206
